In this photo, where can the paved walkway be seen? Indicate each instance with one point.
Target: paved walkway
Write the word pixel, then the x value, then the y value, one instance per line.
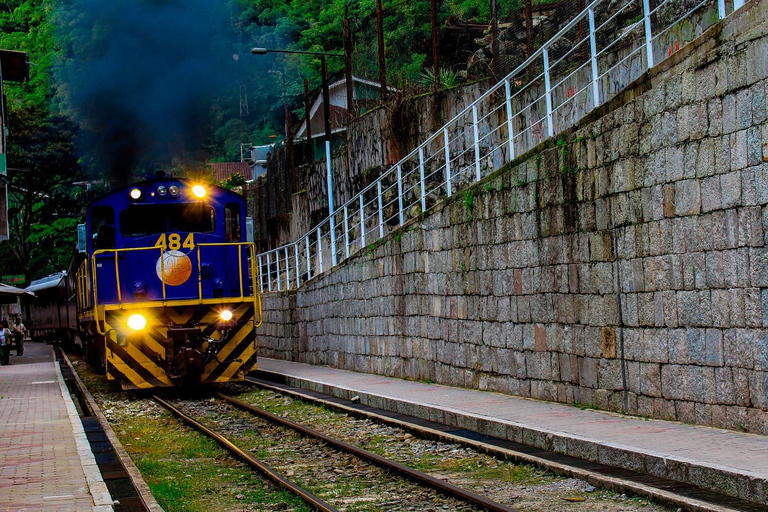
pixel 45 460
pixel 700 455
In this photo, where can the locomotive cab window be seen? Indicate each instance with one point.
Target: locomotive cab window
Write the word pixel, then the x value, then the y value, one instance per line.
pixel 151 219
pixel 103 227
pixel 232 221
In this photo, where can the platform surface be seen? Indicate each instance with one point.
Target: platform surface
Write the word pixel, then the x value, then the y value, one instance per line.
pixel 679 446
pixel 44 462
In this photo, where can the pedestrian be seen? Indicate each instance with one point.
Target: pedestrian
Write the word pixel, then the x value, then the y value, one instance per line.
pixel 5 344
pixel 19 332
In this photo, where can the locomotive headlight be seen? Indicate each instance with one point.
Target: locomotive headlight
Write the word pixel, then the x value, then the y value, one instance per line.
pixel 161 190
pixel 226 315
pixel 173 190
pixel 137 322
pixel 135 193
pixel 198 191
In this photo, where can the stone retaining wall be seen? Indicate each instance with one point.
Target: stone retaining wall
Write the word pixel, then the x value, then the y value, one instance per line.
pixel 623 266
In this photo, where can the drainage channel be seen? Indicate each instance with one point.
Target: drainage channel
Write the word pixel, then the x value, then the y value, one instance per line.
pixel 113 472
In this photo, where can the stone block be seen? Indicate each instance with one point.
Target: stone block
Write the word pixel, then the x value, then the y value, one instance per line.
pixel 754 146
pixel 710 194
pixel 758 103
pixel 653 346
pixel 722 153
pixel 743 109
pixel 588 372
pixel 738 147
pixel 650 379
pixel 729 114
pixel 758 264
pixel 713 355
pixel 739 348
pixel 687 197
pixel 672 382
pixel 758 389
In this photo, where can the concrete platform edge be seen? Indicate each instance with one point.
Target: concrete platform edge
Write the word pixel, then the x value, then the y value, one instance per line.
pixel 743 486
pixel 102 499
pixel 138 481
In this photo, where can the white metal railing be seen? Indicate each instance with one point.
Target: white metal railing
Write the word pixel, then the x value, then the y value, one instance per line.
pixel 587 62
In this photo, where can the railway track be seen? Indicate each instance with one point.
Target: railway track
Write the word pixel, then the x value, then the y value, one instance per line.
pixel 447 490
pixel 662 490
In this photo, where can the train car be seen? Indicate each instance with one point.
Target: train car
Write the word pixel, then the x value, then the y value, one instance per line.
pixel 168 292
pixel 51 314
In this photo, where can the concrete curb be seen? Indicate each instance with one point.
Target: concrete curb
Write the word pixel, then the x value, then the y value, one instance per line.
pixel 102 499
pixel 138 481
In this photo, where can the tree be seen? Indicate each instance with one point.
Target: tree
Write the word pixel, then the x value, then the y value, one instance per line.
pixel 45 200
pixel 233 181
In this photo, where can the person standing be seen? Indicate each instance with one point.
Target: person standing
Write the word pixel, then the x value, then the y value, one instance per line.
pixel 19 331
pixel 5 343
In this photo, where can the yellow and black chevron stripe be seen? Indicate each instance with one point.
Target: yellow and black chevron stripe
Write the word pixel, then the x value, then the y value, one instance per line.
pixel 139 360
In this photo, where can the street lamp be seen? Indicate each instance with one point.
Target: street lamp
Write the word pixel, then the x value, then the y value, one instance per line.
pixel 327 120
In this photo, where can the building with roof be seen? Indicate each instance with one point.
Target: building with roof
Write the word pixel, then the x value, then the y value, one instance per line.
pixel 14 67
pixel 223 170
pixel 362 90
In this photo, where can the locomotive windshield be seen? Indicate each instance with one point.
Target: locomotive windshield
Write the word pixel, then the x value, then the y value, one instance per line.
pixel 150 219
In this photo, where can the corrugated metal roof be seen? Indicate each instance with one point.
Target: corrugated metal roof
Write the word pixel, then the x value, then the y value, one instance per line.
pixel 52 281
pixel 224 170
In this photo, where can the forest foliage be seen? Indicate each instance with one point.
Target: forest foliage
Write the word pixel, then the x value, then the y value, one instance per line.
pixel 53 173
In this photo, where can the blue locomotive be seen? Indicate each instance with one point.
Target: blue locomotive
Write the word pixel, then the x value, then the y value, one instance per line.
pixel 168 293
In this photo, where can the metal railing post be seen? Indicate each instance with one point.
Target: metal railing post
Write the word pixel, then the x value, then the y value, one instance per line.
pixel 269 273
pixel 593 52
pixel 738 4
pixel 400 191
pixel 287 270
pixel 548 92
pixel 362 222
pixel 381 210
pixel 477 142
pixel 319 251
pixel 309 257
pixel 508 92
pixel 277 262
pixel 648 33
pixel 346 232
pixel 721 9
pixel 421 178
pixel 261 275
pixel 447 144
pixel 296 254
pixel 331 207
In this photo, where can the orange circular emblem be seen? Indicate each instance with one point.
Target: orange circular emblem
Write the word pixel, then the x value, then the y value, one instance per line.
pixel 174 268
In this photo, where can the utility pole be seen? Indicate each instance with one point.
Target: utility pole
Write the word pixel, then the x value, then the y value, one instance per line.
pixel 435 55
pixel 307 116
pixel 380 39
pixel 495 41
pixel 348 67
pixel 529 32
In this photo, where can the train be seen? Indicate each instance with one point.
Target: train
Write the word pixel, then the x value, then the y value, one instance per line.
pixel 164 290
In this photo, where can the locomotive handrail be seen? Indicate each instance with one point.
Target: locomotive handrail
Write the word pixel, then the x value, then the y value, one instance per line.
pixel 200 300
pixel 256 284
pixel 117 270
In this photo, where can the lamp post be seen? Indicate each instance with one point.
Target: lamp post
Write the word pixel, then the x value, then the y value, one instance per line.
pixel 327 120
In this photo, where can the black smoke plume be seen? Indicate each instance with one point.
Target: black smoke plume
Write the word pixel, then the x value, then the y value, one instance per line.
pixel 139 76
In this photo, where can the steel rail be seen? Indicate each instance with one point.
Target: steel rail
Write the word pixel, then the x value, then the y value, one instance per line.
pixel 423 478
pixel 264 469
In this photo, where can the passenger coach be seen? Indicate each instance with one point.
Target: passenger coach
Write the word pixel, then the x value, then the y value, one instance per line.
pixel 168 293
